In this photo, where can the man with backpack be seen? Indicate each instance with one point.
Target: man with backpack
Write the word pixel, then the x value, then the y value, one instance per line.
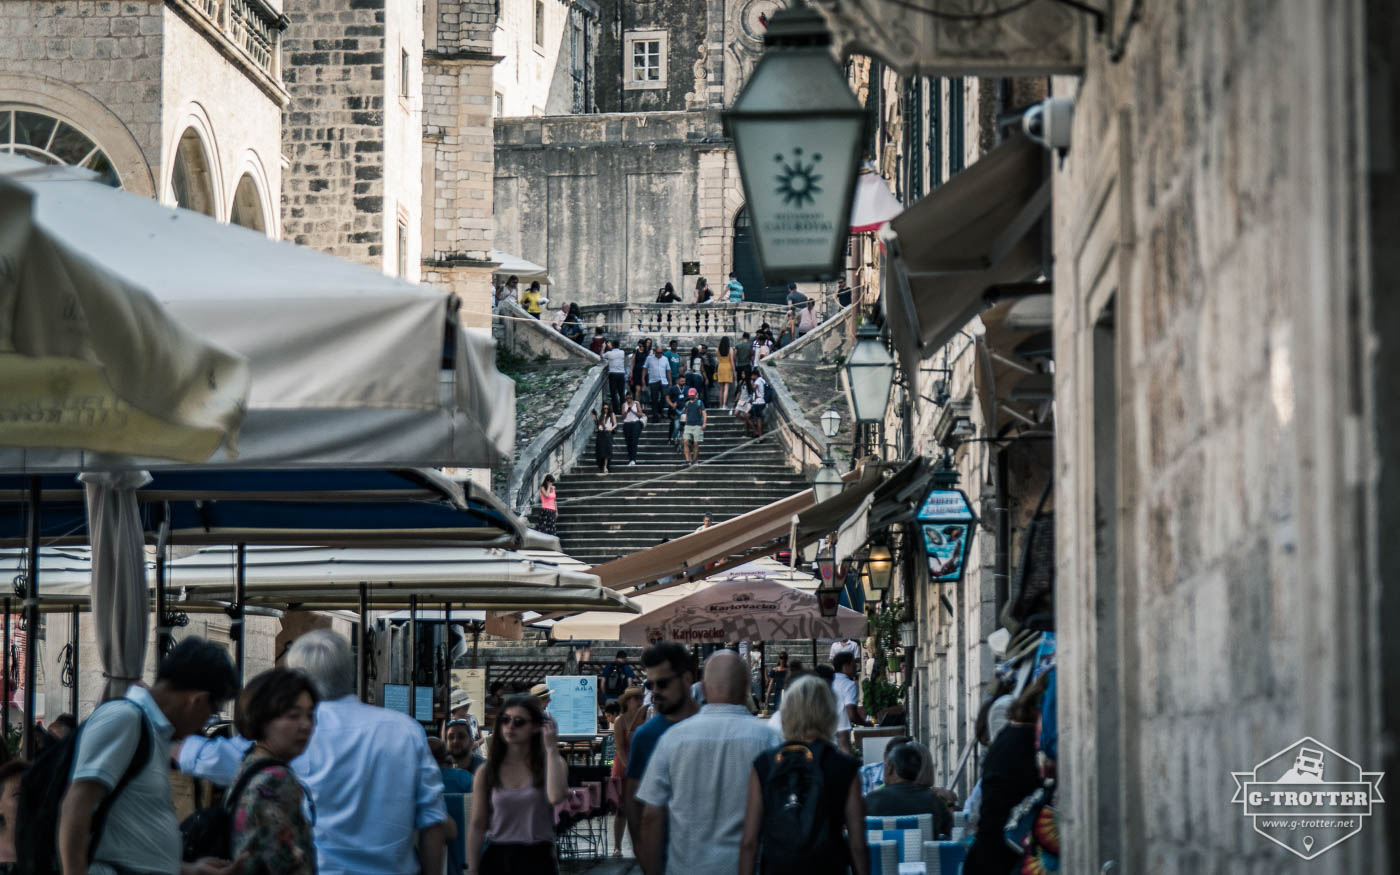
pixel 617 677
pixel 694 430
pixel 697 780
pixel 117 814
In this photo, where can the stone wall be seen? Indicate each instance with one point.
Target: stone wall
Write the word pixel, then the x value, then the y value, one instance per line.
pixel 614 204
pixel 352 140
pixel 1206 254
pixel 136 75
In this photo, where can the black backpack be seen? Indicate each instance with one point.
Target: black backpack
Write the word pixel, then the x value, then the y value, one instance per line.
pixel 614 680
pixel 796 831
pixel 209 831
pixel 41 797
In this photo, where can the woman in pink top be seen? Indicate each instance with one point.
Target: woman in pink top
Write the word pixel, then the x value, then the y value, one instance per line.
pixel 549 506
pixel 515 793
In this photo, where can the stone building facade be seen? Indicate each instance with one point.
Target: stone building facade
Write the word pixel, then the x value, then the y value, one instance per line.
pixel 1224 231
pixel 181 101
pixel 353 133
pixel 548 50
pixel 616 204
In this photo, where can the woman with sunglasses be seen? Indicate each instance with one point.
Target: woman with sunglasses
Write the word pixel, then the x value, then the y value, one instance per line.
pixel 512 821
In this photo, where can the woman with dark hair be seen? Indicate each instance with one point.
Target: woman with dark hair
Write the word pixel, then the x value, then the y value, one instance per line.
pixel 549 506
pixel 11 774
pixel 573 324
pixel 512 819
pixel 702 291
pixel 277 711
pixel 605 423
pixel 667 295
pixel 1008 775
pixel 777 679
pixel 632 421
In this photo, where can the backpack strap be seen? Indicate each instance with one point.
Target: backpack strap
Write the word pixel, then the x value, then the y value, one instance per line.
pixel 139 758
pixel 257 768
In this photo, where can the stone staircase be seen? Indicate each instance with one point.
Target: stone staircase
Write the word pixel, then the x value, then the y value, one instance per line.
pixel 605 516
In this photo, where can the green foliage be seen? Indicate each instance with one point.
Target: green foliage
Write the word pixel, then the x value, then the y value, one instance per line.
pixel 877 694
pixel 884 625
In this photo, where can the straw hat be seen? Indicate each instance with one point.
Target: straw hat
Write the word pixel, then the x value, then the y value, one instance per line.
pixel 541 692
pixel 460 699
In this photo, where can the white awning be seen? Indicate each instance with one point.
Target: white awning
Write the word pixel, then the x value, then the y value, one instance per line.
pixel 514 265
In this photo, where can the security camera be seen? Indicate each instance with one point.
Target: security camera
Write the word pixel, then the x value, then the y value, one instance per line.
pixel 1049 122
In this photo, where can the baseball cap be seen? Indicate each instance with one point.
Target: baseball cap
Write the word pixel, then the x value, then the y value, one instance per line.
pixel 690 392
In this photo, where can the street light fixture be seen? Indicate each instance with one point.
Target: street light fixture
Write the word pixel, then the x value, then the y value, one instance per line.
pixel 828 593
pixel 828 483
pixel 831 422
pixel 881 565
pixel 799 133
pixel 869 375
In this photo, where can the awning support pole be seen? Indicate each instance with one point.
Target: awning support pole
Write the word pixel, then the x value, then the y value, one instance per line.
pixel 412 656
pixel 5 707
pixel 73 629
pixel 163 639
pixel 814 653
pixel 240 588
pixel 446 662
pixel 363 655
pixel 31 610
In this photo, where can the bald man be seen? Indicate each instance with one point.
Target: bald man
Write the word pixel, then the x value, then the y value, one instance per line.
pixel 697 782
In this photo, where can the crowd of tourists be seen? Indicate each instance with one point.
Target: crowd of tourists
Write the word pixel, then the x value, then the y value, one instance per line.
pixel 322 782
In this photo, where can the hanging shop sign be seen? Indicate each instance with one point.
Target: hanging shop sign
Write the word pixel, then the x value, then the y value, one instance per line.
pixel 948 525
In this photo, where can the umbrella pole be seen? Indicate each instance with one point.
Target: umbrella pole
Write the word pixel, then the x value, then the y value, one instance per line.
pixel 240 591
pixel 446 662
pixel 162 621
pixel 412 656
pixel 74 627
pixel 814 653
pixel 363 654
pixel 5 707
pixel 762 675
pixel 31 610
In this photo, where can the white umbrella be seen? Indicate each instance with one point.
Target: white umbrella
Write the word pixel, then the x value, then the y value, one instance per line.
pixel 737 610
pixel 599 626
pixel 873 204
pixel 514 265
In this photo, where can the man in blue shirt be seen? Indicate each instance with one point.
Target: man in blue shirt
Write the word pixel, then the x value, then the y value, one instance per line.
pixel 670 672
pixel 673 358
pixel 675 400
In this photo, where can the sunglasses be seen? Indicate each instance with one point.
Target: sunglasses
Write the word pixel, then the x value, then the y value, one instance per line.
pixel 659 683
pixel 517 721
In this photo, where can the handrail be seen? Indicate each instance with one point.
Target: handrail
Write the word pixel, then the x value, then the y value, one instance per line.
pixel 698 320
pixel 556 448
pixel 805 444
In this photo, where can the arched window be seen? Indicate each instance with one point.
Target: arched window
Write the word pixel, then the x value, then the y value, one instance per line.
pixel 247 205
pixel 190 178
pixel 36 134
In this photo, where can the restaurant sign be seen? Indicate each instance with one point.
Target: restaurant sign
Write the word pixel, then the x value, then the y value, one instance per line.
pixel 948 525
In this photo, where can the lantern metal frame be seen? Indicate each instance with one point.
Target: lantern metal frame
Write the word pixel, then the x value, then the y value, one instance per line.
pixel 869 346
pixel 827 482
pixel 831 422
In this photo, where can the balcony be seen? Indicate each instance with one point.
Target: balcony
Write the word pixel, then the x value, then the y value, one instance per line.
pixel 696 322
pixel 248 32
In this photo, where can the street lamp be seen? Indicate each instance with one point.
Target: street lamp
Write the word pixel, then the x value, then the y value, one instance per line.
pixel 799 133
pixel 828 483
pixel 831 422
pixel 869 375
pixel 881 565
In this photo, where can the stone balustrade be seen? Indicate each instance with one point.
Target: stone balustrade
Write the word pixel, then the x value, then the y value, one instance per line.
pixel 696 321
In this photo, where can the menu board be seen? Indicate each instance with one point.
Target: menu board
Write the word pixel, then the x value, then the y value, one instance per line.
pixel 396 699
pixel 573 703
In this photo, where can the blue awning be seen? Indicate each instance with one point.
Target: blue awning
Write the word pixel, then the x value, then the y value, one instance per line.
pixel 312 506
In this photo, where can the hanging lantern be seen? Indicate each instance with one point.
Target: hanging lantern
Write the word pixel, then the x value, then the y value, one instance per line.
pixel 869 375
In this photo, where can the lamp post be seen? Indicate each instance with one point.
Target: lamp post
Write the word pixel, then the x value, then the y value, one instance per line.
pixel 869 376
pixel 831 422
pixel 799 133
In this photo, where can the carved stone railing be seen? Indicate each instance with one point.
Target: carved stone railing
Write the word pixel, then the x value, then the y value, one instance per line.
pixel 248 30
pixel 683 320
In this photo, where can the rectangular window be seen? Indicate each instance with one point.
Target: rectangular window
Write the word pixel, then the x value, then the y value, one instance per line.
pixel 401 242
pixel 403 73
pixel 935 133
pixel 956 120
pixel 500 105
pixel 645 51
pixel 539 24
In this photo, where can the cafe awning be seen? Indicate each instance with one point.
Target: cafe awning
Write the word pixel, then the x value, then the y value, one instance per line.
pixel 891 502
pixel 733 542
pixel 1013 383
pixel 973 238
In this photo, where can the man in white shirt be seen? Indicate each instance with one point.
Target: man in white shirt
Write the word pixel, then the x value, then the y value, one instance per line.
pixel 697 780
pixel 848 710
pixel 616 360
pixel 758 403
pixel 658 378
pixel 372 778
pixel 845 645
